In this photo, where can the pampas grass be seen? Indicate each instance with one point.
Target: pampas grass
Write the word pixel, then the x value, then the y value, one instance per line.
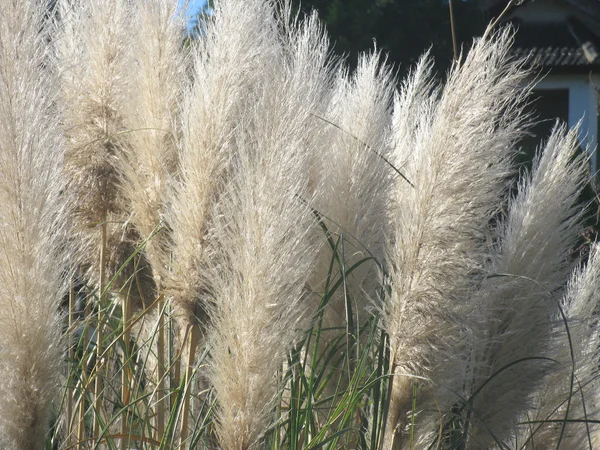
pixel 353 181
pixel 32 229
pixel 266 241
pixel 456 168
pixel 90 57
pixel 354 184
pixel 571 393
pixel 226 64
pixel 226 68
pixel 91 48
pixel 530 265
pixel 346 262
pixel 150 159
pixel 158 64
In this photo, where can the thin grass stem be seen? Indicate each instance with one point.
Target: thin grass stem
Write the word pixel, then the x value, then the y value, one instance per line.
pixel 193 337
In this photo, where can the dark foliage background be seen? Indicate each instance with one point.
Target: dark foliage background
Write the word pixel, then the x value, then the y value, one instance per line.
pixel 401 28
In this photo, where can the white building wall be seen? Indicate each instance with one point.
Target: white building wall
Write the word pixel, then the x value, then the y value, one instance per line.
pixel 583 106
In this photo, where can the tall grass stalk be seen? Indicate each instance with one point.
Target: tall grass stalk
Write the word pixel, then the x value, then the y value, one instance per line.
pixel 457 156
pixel 265 240
pixel 226 70
pixel 91 43
pixel 150 160
pixel 227 64
pixel 71 411
pixel 354 184
pixel 532 258
pixel 580 304
pixel 32 229
pixel 90 47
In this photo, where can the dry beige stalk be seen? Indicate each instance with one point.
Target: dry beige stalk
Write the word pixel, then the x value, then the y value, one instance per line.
pixel 32 228
pixel 456 153
pixel 521 306
pixel 265 239
pixel 157 65
pixel 91 51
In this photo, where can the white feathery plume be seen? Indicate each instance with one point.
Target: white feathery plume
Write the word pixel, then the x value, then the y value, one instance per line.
pixel 354 180
pixel 150 115
pixel 32 227
pixel 325 65
pixel 259 311
pixel 157 61
pixel 228 67
pixel 527 269
pixel 266 242
pixel 227 72
pixel 414 104
pixel 91 56
pixel 456 161
pixel 576 352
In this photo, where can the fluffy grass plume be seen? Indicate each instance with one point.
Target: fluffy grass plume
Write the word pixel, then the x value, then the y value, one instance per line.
pixel 354 184
pixel 532 258
pixel 457 167
pixel 227 68
pixel 91 48
pixel 31 230
pixel 150 160
pixel 240 146
pixel 576 353
pixel 533 261
pixel 157 61
pixel 92 44
pixel 266 240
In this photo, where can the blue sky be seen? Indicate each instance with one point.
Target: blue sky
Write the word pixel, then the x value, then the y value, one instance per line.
pixel 193 6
